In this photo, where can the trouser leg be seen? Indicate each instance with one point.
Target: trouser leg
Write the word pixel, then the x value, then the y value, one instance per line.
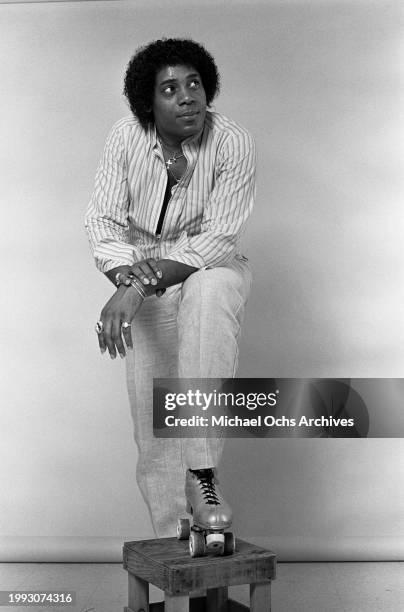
pixel 160 471
pixel 210 314
pixel 192 331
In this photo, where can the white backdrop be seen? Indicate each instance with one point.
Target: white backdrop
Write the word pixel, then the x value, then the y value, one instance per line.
pixel 318 84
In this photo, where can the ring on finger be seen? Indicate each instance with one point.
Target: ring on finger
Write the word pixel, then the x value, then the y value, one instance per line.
pixel 99 327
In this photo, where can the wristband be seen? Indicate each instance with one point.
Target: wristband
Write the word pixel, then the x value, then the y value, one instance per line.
pixel 136 285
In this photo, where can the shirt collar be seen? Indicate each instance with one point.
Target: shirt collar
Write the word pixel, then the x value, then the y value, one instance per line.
pixel 192 141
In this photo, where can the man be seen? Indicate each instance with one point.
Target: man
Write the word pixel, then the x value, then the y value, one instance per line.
pixel 173 192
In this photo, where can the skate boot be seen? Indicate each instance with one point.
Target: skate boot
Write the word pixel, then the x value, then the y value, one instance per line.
pixel 211 515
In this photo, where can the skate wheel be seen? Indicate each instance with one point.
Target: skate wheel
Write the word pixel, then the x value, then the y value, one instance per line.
pixel 183 529
pixel 215 541
pixel 196 544
pixel 229 544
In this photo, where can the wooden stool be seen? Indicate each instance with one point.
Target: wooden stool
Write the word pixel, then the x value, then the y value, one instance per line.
pixel 166 564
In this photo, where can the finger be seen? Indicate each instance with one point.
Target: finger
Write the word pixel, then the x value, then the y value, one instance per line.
pixel 101 342
pixel 148 273
pixel 108 338
pixel 99 329
pixel 127 334
pixel 155 267
pixel 125 279
pixel 140 275
pixel 160 292
pixel 117 337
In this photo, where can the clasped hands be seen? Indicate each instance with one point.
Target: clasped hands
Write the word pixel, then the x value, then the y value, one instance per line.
pixel 114 325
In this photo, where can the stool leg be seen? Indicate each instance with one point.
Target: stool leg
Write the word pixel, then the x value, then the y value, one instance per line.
pixel 176 603
pixel 260 597
pixel 217 599
pixel 138 592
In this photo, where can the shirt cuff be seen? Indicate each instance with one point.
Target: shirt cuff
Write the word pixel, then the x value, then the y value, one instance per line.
pixel 126 256
pixel 186 257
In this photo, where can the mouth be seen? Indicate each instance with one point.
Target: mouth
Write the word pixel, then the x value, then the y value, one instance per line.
pixel 189 114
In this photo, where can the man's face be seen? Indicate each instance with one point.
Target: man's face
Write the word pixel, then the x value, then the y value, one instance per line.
pixel 179 104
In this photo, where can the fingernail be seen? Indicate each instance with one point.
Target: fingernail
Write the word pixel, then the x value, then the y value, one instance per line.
pixel 154 282
pixel 113 356
pixel 146 281
pixel 129 348
pixel 102 351
pixel 121 355
pixel 159 274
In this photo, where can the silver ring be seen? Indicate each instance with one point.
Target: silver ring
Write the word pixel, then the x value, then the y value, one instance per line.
pixel 125 324
pixel 99 326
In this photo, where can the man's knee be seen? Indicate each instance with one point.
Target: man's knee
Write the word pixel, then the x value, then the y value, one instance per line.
pixel 216 287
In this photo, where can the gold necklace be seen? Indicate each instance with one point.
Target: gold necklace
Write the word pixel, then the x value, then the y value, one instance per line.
pixel 172 158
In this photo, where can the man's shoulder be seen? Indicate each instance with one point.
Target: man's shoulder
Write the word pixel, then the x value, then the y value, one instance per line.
pixel 128 125
pixel 224 126
pixel 228 137
pixel 127 122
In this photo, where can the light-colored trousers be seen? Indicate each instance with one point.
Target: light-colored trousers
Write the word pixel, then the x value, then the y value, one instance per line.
pixel 192 331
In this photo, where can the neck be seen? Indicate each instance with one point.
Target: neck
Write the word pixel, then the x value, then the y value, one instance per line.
pixel 169 142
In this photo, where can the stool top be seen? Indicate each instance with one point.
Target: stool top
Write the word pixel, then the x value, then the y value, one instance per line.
pixel 166 563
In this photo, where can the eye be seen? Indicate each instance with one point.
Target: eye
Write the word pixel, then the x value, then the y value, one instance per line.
pixel 168 90
pixel 194 84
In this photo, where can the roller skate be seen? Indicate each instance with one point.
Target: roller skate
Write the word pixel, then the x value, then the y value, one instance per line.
pixel 211 516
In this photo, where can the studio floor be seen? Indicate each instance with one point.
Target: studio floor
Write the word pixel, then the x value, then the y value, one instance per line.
pixel 299 587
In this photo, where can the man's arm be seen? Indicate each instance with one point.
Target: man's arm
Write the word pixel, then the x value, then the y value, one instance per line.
pixel 154 275
pixel 126 301
pixel 228 207
pixel 106 218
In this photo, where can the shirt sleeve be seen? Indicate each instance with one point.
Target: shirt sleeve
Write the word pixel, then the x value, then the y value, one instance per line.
pixel 227 210
pixel 106 219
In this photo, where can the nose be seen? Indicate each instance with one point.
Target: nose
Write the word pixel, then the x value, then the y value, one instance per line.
pixel 185 96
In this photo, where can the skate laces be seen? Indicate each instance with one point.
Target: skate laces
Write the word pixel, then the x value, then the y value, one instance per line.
pixel 206 481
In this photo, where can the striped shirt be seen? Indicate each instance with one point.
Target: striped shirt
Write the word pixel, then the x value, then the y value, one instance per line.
pixel 208 208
